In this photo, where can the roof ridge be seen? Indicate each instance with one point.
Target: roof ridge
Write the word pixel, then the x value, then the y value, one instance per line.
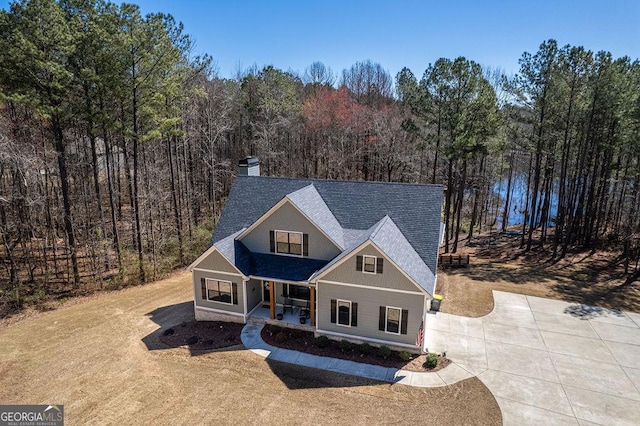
pixel 376 182
pixel 379 226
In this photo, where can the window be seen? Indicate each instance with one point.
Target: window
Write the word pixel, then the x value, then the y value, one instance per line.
pixel 293 291
pixel 344 312
pixel 393 320
pixel 369 264
pixel 289 242
pixel 219 291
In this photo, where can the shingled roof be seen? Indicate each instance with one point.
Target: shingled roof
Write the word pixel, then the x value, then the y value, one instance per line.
pixel 413 208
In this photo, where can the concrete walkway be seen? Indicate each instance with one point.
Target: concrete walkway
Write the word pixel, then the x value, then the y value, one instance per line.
pixel 546 361
pixel 252 340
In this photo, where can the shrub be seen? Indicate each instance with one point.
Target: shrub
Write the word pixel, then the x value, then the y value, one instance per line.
pixel 345 346
pixel 404 355
pixel 192 340
pixel 365 349
pixel 384 352
pixel 322 341
pixel 169 332
pixel 432 360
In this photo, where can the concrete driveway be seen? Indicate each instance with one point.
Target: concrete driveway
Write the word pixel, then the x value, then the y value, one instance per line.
pixel 547 361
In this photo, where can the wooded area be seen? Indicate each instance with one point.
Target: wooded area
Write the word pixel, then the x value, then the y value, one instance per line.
pixel 118 145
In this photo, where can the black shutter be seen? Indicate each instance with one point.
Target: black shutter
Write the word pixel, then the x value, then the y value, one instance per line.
pixel 379 264
pixel 403 324
pixel 285 290
pixel 358 263
pixel 272 241
pixel 354 314
pixel 203 287
pixel 333 310
pixel 305 244
pixel 234 293
pixel 383 319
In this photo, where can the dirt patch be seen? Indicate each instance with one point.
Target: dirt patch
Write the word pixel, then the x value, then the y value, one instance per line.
pixel 304 341
pixel 202 335
pixel 96 357
pixel 498 263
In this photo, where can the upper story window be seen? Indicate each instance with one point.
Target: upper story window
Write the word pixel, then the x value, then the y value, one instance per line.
pixel 369 264
pixel 289 242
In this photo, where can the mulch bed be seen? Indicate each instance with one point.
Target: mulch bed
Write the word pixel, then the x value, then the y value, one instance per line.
pixel 304 341
pixel 203 335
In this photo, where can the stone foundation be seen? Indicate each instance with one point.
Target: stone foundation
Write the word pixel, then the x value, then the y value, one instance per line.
pixel 206 315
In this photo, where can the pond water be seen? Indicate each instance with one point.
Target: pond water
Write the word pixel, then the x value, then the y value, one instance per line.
pixel 518 200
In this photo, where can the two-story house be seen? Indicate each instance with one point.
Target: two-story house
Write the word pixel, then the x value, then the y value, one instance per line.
pixel 354 260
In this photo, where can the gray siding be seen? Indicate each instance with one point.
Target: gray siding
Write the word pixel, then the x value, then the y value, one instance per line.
pixel 197 275
pixel 254 293
pixel 369 302
pixel 391 277
pixel 288 218
pixel 216 262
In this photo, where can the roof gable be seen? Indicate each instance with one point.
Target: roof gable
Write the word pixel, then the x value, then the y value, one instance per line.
pixel 311 204
pixel 388 239
pixel 415 209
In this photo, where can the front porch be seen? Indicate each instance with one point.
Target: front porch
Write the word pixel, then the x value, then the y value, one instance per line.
pixel 290 318
pixel 289 301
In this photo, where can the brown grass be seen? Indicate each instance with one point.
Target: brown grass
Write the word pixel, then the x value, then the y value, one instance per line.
pixel 101 357
pixel 497 263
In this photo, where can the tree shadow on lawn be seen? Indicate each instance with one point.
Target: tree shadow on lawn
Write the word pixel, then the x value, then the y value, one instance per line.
pixel 297 377
pixel 597 285
pixel 178 328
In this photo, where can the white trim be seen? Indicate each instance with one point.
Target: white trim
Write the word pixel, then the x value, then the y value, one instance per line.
pixel 257 277
pixel 315 308
pixel 367 339
pixel 219 272
pixel 386 320
pixel 206 283
pixel 384 256
pixel 282 231
pixel 395 265
pixel 424 306
pixel 314 224
pixel 262 218
pixel 200 258
pixel 209 251
pixel 392 290
pixel 375 264
pixel 244 293
pixel 277 206
pixel 338 311
pixel 206 308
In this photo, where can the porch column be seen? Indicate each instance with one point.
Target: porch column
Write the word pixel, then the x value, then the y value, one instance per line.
pixel 272 300
pixel 312 303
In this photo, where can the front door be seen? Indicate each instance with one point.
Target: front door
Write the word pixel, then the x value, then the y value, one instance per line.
pixel 266 295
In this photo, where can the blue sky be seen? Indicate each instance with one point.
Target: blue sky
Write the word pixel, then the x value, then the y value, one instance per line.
pixel 293 34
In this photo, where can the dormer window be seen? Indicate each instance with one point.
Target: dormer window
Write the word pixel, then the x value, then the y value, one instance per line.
pixel 289 242
pixel 369 264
